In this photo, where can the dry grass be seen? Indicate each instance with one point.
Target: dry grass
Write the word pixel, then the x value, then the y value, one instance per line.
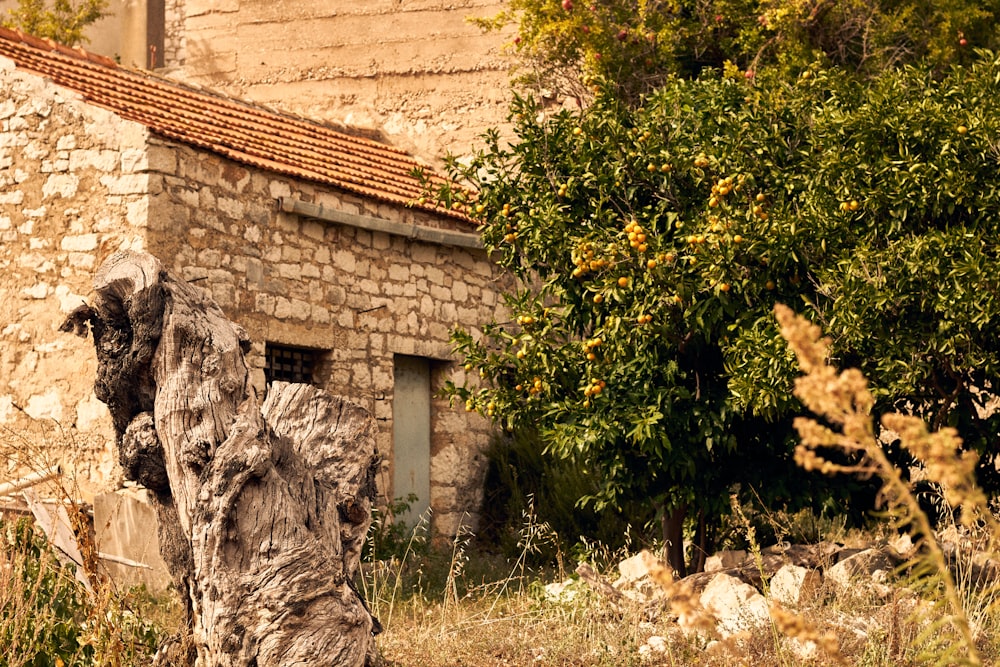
pixel 47 617
pixel 582 628
pixel 454 606
pixel 520 630
pixel 940 611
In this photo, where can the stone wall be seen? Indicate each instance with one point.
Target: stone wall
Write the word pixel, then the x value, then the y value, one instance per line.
pixel 73 190
pixel 361 296
pixel 78 183
pixel 417 72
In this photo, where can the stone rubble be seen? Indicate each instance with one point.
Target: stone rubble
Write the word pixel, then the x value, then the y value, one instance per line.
pixel 733 597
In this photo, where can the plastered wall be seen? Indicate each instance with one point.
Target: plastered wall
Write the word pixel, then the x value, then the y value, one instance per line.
pixel 415 71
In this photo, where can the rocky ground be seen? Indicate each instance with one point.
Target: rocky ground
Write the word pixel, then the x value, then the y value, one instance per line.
pixel 743 593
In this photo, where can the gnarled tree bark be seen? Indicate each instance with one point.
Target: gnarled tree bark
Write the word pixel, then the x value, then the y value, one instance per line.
pixel 262 508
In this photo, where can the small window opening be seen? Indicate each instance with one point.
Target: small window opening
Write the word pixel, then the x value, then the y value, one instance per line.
pixel 285 363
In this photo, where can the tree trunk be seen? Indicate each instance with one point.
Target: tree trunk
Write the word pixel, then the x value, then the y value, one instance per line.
pixel 701 546
pixel 672 526
pixel 262 509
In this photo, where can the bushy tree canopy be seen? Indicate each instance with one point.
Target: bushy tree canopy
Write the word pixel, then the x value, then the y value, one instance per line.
pixel 650 243
pixel 638 44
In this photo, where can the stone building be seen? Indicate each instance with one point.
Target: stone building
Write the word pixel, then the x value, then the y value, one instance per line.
pixel 315 241
pixel 417 72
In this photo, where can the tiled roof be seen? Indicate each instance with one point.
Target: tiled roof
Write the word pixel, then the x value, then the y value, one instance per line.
pixel 238 130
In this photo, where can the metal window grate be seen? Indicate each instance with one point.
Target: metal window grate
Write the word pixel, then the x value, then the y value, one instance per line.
pixel 289 364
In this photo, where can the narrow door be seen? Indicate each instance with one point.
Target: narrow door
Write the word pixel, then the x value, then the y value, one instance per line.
pixel 411 434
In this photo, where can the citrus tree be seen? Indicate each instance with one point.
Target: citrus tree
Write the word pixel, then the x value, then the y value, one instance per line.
pixel 649 244
pixel 639 43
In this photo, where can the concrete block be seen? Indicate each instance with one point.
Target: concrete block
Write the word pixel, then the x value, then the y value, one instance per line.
pixel 125 527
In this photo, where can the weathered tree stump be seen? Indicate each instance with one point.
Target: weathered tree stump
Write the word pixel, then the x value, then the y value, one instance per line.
pixel 262 509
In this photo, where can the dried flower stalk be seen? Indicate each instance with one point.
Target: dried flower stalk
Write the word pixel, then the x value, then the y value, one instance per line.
pixel 794 626
pixel 844 401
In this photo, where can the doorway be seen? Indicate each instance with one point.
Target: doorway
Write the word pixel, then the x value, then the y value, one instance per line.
pixel 411 434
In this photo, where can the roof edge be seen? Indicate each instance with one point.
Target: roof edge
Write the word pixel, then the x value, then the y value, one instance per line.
pixel 94 75
pixel 45 44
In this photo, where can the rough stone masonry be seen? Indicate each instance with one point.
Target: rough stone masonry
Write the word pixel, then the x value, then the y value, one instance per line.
pixel 78 183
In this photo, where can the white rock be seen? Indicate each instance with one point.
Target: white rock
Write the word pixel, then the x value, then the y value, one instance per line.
pixel 79 243
pixel 45 406
pixel 790 583
pixel 37 291
pixel 68 301
pixel 862 566
pixel 14 197
pixel 561 591
pixel 805 651
pixel 60 185
pixel 6 408
pixel 66 142
pixel 11 329
pixel 654 647
pixel 91 413
pixel 633 568
pixel 735 605
pixel 724 560
pixel 903 545
pixel 635 581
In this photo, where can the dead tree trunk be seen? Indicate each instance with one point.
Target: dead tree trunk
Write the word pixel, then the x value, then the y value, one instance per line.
pixel 262 509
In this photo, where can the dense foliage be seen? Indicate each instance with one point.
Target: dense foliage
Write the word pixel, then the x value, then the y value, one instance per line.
pixel 639 44
pixel 523 486
pixel 650 243
pixel 63 22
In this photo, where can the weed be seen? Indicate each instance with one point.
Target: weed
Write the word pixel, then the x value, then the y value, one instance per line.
pixel 47 617
pixel 50 619
pixel 842 399
pixel 383 580
pixel 389 536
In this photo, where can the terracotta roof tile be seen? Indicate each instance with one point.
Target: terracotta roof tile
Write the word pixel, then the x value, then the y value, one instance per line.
pixel 238 130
